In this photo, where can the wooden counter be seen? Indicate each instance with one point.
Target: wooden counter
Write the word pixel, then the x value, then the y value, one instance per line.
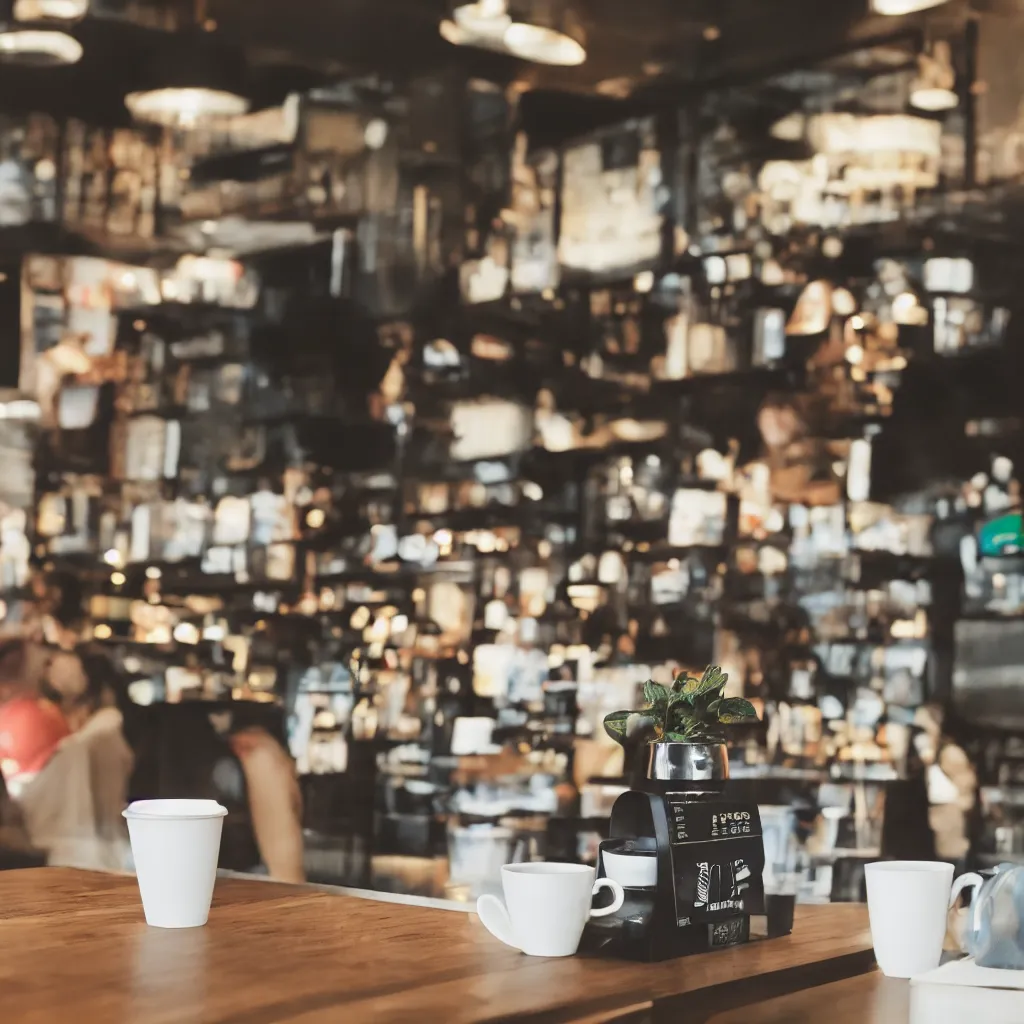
pixel 74 947
pixel 866 999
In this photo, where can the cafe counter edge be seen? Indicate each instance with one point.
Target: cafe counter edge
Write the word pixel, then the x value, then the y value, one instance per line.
pixel 74 946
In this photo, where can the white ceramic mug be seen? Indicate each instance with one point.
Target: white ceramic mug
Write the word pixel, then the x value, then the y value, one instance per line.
pixel 632 870
pixel 908 901
pixel 546 907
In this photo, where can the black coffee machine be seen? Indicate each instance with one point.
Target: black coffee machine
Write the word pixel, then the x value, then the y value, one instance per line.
pixel 709 855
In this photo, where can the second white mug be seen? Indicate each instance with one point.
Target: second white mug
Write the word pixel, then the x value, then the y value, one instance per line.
pixel 546 907
pixel 907 904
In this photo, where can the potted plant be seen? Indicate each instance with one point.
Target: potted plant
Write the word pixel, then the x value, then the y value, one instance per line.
pixel 684 726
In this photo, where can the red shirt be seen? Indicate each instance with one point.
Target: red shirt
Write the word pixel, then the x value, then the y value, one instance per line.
pixel 31 730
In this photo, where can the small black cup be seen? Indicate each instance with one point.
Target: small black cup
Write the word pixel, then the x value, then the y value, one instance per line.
pixel 779 908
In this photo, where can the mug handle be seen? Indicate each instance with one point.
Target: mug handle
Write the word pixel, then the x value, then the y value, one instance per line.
pixel 495 918
pixel 971 880
pixel 620 896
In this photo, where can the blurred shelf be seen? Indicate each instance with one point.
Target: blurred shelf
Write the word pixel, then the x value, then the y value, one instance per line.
pixel 839 853
pixel 992 859
pixel 1007 796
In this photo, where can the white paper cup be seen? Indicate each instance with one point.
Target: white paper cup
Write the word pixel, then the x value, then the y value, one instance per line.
pixel 907 904
pixel 175 846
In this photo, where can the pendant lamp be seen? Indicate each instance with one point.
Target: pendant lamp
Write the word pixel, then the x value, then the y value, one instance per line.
pixel 50 10
pixel 541 31
pixel 481 24
pixel 27 38
pixel 898 7
pixel 545 32
pixel 40 48
pixel 934 88
pixel 198 77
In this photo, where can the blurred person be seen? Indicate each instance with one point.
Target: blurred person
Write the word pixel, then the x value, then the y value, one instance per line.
pixel 13 835
pixel 67 765
pixel 191 751
pixel 56 616
pixel 952 785
pixel 13 677
pixel 86 687
pixel 31 732
pixel 248 770
pixel 275 803
pixel 906 831
pixel 37 627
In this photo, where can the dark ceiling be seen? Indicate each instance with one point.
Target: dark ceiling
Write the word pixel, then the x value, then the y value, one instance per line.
pixel 626 38
pixel 293 44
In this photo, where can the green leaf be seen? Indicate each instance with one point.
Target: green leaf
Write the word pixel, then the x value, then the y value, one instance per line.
pixel 641 721
pixel 655 694
pixel 615 724
pixel 713 681
pixel 714 706
pixel 691 686
pixel 677 737
pixel 621 725
pixel 736 709
pixel 681 716
pixel 679 686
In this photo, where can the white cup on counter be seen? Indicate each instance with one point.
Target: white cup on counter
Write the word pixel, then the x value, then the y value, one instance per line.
pixel 175 846
pixel 546 907
pixel 908 901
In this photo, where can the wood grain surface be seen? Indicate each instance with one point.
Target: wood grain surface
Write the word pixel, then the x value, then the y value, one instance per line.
pixel 74 947
pixel 866 999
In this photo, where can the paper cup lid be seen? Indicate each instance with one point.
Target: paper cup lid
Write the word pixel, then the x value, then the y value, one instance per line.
pixel 174 809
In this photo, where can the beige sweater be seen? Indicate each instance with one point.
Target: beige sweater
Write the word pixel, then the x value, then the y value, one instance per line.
pixel 72 808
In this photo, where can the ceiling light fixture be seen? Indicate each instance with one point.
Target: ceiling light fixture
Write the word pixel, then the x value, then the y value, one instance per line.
pixel 483 18
pixel 184 106
pixel 542 31
pixel 26 38
pixel 895 8
pixel 545 32
pixel 50 10
pixel 196 79
pixel 481 24
pixel 38 47
pixel 934 88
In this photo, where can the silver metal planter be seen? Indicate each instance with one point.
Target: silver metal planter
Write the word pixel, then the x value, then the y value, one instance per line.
pixel 687 762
